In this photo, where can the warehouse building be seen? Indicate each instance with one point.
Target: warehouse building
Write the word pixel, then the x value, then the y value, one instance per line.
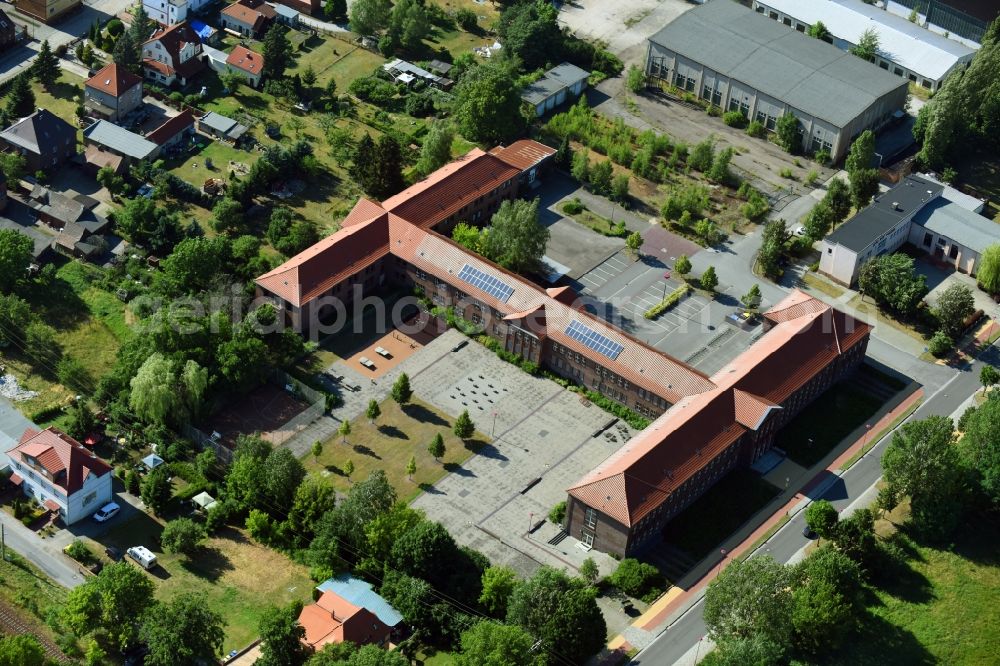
pixel 739 60
pixel 905 49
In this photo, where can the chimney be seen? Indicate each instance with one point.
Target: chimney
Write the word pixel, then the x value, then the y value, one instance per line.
pixel 896 206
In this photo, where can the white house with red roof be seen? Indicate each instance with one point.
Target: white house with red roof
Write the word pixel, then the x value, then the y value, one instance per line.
pixel 172 54
pixel 60 473
pixel 247 63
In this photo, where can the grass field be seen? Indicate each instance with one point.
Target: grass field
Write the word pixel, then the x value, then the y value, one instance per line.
pixel 232 575
pixel 701 527
pixel 943 609
pixel 388 444
pixel 822 285
pixel 60 98
pixel 595 222
pixel 23 587
pixel 826 422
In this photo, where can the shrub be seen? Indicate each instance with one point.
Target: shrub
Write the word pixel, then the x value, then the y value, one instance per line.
pixel 558 513
pixel 573 207
pixel 786 173
pixel 940 344
pixel 822 156
pixel 467 19
pixel 756 206
pixel 672 299
pixel 635 578
pixel 734 119
pixel 79 551
pixel 756 129
pixel 115 27
pixel 812 177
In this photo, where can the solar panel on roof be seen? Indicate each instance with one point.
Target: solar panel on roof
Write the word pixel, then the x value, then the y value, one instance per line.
pixel 487 283
pixel 594 340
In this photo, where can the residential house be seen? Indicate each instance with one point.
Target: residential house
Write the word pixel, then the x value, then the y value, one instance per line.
pixel 45 140
pixel 173 132
pixel 96 158
pixel 560 84
pixel 247 18
pixel 54 209
pixel 117 140
pixel 307 7
pixel 928 214
pixel 248 63
pixel 287 16
pixel 9 31
pixel 738 60
pixel 112 93
pixel 79 231
pixel 222 127
pixel 172 55
pixel 46 11
pixel 60 473
pixel 348 609
pixel 166 12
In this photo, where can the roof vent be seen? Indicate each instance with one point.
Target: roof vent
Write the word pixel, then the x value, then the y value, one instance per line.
pixel 896 206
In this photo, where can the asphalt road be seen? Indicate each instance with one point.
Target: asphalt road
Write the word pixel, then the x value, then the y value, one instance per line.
pixel 680 639
pixel 43 553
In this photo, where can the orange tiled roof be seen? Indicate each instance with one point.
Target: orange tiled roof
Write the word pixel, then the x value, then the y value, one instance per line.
pixel 523 153
pixel 171 128
pixel 255 17
pixel 333 619
pixel 113 80
pixel 57 452
pixel 243 58
pixel 638 477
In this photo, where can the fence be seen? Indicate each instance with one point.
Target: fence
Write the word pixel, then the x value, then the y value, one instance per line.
pixel 317 405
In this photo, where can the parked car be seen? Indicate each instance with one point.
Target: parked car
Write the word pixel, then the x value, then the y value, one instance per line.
pixel 799 231
pixel 143 556
pixel 107 512
pixel 808 533
pixel 113 553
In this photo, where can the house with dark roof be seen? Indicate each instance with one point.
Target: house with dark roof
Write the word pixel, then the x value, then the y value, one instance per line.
pixel 112 93
pixel 60 473
pixel 249 64
pixel 348 609
pixel 247 18
pixel 45 140
pixel 738 60
pixel 8 31
pixel 172 54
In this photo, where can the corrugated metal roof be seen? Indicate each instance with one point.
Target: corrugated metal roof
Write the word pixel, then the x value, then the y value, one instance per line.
pixel 358 592
pixel 120 140
pixel 927 53
pixel 809 75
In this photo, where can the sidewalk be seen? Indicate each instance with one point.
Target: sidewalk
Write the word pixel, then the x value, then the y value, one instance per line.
pixel 677 600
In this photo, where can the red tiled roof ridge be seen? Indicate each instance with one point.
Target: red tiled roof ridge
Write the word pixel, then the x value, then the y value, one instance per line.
pixel 171 127
pixel 245 59
pixel 432 178
pixel 113 80
pixel 61 452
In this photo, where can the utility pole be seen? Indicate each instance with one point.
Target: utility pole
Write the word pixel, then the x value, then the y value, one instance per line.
pixel 3 542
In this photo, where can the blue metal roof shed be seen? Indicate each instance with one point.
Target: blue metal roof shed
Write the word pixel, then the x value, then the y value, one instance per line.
pixel 358 592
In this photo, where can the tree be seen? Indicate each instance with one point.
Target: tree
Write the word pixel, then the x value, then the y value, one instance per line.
pixel 370 16
pixel 127 52
pixel 309 76
pixel 436 149
pixel 182 535
pixel 989 376
pixel 384 529
pixel 867 46
pixel 283 474
pixel 335 10
pixel 988 275
pixel 719 172
pixel 892 281
pixel 516 239
pixel 344 430
pixel 487 103
pixel 600 177
pixel 411 467
pixel 12 166
pixel 21 650
pixel 182 631
pixel 529 31
pixel 580 167
pixel 633 242
pixel 317 450
pixel 589 571
pixel 464 427
pixel 921 461
pixel 980 446
pixel 635 80
pixel 560 611
pixel 46 67
pixel 750 598
pixel 954 306
pixel 467 236
pixel 227 215
pixel 15 257
pixel 862 176
pixel 281 636
pixel 751 300
pixel 436 447
pixel 20 99
pixel 855 537
pixel 819 221
pixel 409 24
pixel 107 178
pixel 155 489
pixel 758 650
pixel 819 31
pixel 154 397
pixel 389 157
pixel 348 469
pixel 864 185
pixel 838 197
pixel 862 153
pixel 826 600
pixel 683 265
pixel 787 132
pixel 822 518
pixel 619 187
pixel 493 644
pixel 401 391
pixel 498 584
pixel 231 80
pixel 709 280
pixel 373 411
pixel 702 154
pixel 111 601
pixel 277 52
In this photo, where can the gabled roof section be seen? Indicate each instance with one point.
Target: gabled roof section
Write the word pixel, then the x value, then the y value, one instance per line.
pixel 39 131
pixel 365 210
pixel 172 127
pixel 113 80
pixel 313 271
pixel 450 188
pixel 246 60
pixel 174 38
pixel 524 153
pixel 55 452
pixel 751 410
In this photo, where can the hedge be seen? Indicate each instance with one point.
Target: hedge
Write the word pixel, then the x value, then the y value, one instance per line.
pixel 672 299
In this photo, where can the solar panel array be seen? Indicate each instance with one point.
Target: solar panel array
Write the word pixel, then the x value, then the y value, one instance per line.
pixel 496 288
pixel 594 340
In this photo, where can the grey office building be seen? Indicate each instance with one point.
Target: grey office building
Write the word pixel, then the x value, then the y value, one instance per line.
pixel 739 60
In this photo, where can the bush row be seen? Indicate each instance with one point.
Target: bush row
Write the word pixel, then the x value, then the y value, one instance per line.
pixel 672 299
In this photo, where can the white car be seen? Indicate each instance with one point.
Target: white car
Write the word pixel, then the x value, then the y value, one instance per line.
pixel 799 231
pixel 107 512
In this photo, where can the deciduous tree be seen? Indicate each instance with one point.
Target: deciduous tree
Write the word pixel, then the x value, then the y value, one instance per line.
pixel 401 391
pixel 988 274
pixel 953 307
pixel 498 584
pixel 155 489
pixel 436 149
pixel 787 132
pixel 498 644
pixel 372 412
pixel 822 517
pixel 436 447
pixel 487 105
pixel 516 239
pixel 683 265
pixel 21 650
pixel 750 598
pixel 182 535
pixel 709 280
pixel 980 446
pixel 111 601
pixel 892 281
pixel 15 257
pixel 182 631
pixel 868 45
pixel 370 16
pixel 281 636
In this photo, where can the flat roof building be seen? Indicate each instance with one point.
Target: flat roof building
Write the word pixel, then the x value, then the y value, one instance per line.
pixel 905 49
pixel 739 60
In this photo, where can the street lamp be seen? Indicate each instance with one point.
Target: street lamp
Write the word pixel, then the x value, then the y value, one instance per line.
pixel 494 427
pixel 721 562
pixel 666 276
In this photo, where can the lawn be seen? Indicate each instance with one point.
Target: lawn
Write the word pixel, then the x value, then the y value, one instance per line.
pixel 595 222
pixel 821 426
pixel 233 575
pixel 191 167
pixel 388 444
pixel 701 527
pixel 943 609
pixel 822 285
pixel 60 99
pixel 335 59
